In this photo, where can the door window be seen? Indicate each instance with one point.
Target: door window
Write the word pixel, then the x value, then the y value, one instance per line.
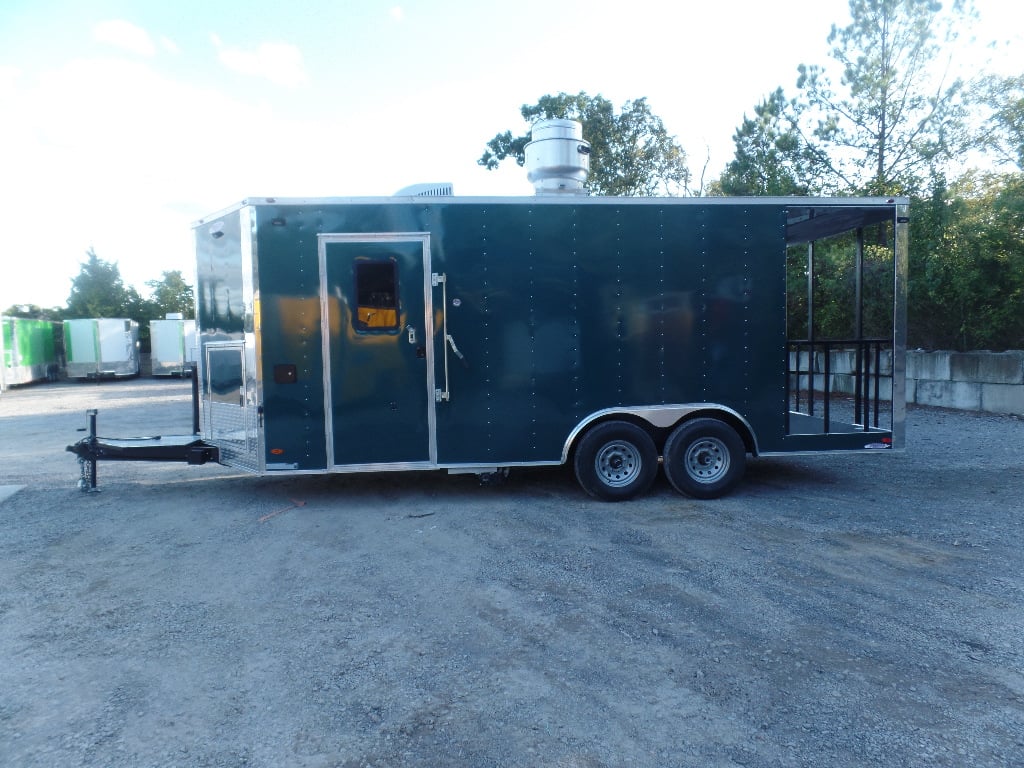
pixel 376 296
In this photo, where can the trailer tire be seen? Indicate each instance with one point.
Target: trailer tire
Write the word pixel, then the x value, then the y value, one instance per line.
pixel 616 461
pixel 704 458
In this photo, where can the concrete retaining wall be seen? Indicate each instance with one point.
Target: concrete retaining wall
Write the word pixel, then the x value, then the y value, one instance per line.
pixel 968 381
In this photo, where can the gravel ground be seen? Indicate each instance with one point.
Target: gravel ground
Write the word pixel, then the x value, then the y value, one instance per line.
pixel 834 611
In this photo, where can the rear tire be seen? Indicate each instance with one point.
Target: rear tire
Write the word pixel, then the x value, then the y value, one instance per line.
pixel 616 461
pixel 704 458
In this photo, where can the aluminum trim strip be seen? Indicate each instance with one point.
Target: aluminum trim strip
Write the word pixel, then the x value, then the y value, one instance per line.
pixel 423 238
pixel 802 202
pixel 901 254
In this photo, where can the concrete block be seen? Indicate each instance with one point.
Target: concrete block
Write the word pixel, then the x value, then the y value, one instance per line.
pixel 1002 398
pixel 911 390
pixel 933 366
pixel 884 388
pixel 804 360
pixel 846 384
pixel 842 384
pixel 988 367
pixel 885 362
pixel 843 361
pixel 804 381
pixel 965 396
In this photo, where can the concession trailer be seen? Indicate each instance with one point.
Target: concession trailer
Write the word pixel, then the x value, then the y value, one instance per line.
pixel 428 331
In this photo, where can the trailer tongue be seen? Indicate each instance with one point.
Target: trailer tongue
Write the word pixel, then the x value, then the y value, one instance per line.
pixel 91 449
pixel 189 449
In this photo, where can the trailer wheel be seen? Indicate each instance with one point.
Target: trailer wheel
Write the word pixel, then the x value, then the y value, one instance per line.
pixel 616 461
pixel 704 458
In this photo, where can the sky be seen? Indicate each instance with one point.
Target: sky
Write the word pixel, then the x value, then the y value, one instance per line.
pixel 123 122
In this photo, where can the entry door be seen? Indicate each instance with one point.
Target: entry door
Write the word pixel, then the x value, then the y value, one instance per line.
pixel 375 304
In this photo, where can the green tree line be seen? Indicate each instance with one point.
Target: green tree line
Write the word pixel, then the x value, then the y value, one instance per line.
pixel 888 116
pixel 98 291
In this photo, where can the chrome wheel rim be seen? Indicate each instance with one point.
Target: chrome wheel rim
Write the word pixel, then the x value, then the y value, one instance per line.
pixel 707 460
pixel 618 464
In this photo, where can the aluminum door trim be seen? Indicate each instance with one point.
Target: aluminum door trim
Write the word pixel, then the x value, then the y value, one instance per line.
pixel 323 240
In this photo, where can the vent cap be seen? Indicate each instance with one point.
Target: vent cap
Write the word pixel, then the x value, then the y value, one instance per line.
pixel 557 158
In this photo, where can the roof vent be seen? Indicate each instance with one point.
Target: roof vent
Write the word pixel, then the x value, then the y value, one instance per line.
pixel 440 189
pixel 557 158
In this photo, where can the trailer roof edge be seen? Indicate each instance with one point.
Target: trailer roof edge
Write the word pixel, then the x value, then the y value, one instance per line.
pixel 556 200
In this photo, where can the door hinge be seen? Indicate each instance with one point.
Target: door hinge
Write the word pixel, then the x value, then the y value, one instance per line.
pixel 436 278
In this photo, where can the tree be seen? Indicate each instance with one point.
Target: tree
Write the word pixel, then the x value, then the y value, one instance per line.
pixel 895 112
pixel 34 312
pixel 631 152
pixel 1003 131
pixel 967 280
pixel 769 151
pixel 171 294
pixel 98 291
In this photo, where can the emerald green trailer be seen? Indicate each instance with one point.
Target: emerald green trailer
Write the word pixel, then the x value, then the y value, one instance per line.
pixel 618 335
pixel 28 351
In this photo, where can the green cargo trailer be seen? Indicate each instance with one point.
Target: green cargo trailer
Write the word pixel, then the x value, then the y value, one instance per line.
pixel 426 331
pixel 475 335
pixel 28 350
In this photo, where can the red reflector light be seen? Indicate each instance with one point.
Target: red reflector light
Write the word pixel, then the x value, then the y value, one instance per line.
pixel 277 451
pixel 887 440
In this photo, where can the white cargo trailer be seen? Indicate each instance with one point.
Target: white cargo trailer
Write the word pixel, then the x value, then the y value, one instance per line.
pixel 172 344
pixel 101 348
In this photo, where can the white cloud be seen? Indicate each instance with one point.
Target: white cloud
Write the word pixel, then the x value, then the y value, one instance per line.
pixel 397 14
pixel 122 141
pixel 280 63
pixel 125 35
pixel 169 45
pixel 9 77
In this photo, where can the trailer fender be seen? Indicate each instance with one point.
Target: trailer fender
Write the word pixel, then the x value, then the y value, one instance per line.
pixel 664 418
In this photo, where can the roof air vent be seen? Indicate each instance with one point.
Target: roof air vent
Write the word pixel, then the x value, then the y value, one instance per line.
pixel 440 189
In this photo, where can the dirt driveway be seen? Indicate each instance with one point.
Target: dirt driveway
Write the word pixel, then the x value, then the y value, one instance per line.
pixel 835 611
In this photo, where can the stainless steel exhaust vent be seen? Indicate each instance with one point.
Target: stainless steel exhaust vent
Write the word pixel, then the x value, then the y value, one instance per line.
pixel 557 158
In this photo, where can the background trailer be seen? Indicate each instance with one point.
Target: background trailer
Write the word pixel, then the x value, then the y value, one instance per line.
pixel 173 346
pixel 101 348
pixel 29 351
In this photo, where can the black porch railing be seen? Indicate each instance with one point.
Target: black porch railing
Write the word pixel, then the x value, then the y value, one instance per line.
pixel 866 373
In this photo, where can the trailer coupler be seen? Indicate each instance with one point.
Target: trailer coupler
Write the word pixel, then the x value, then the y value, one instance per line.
pixel 91 449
